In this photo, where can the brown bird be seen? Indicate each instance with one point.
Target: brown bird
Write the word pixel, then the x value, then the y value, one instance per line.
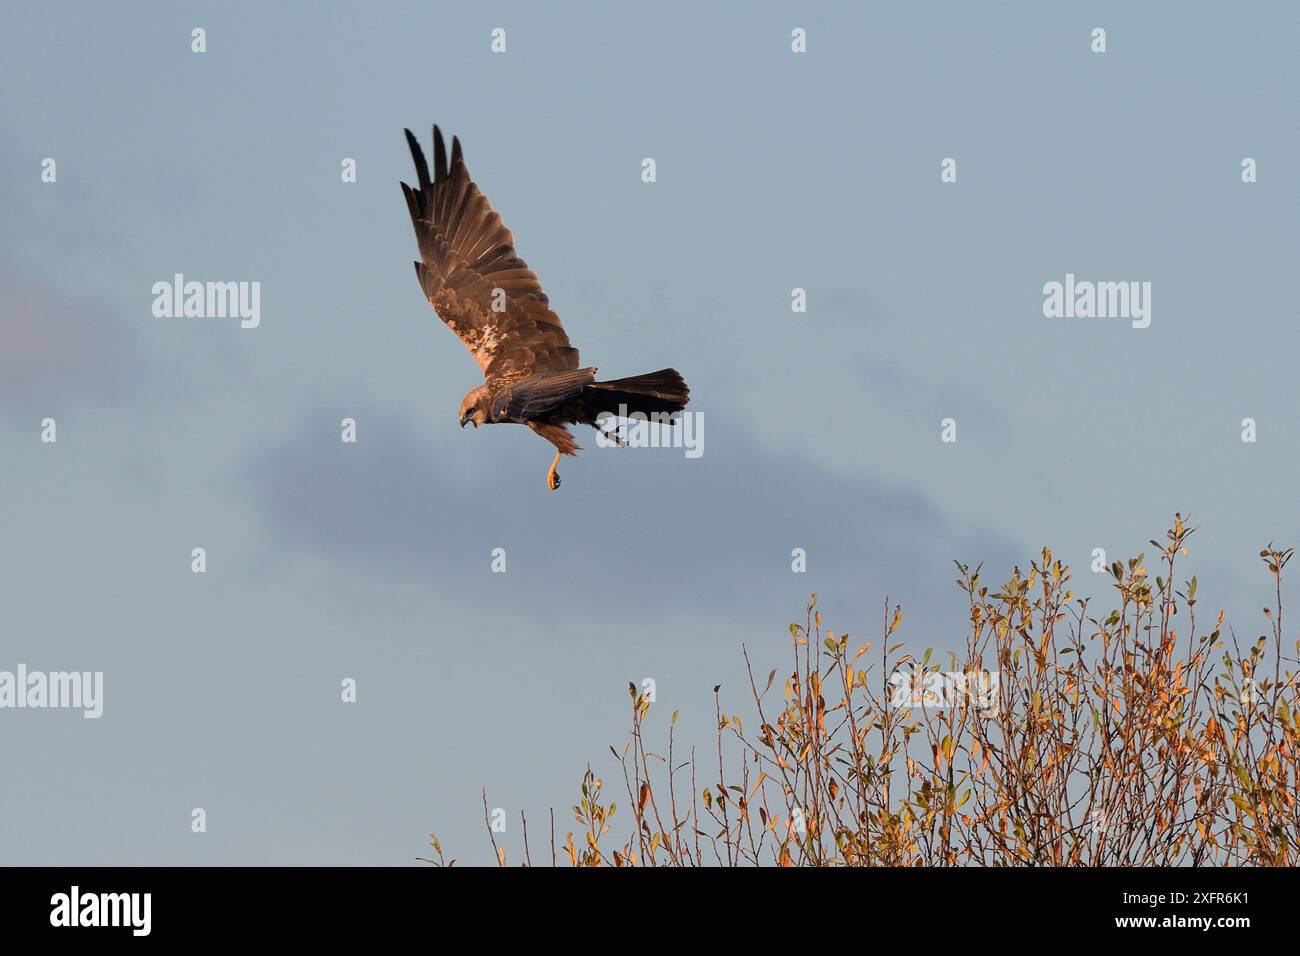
pixel 489 297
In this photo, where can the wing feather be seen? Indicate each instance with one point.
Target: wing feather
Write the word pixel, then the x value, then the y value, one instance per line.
pixel 534 396
pixel 466 254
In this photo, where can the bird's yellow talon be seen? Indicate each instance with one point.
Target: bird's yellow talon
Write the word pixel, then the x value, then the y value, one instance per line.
pixel 553 476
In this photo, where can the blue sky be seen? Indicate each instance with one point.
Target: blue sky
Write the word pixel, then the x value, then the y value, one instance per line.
pixel 775 170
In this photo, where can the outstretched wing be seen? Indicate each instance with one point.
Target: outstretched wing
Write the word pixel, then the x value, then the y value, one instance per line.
pixel 469 266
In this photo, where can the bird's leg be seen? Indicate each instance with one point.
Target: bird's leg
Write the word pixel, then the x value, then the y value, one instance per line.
pixel 553 476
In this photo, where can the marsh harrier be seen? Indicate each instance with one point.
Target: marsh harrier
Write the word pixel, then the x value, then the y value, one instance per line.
pixel 488 296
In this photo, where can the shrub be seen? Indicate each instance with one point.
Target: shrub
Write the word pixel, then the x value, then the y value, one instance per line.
pixel 1058 737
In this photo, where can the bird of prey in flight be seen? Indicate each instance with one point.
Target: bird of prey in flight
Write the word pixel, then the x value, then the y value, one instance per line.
pixel 489 297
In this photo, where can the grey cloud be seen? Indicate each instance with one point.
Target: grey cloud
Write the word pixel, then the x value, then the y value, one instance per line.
pixel 644 531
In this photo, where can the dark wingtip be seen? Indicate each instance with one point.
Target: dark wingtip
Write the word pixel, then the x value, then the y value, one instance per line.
pixel 412 203
pixel 456 156
pixel 439 155
pixel 417 155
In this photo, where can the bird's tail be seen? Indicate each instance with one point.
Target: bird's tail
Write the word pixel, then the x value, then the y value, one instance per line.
pixel 663 391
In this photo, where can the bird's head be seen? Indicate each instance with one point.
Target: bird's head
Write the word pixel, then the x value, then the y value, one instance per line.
pixel 474 407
